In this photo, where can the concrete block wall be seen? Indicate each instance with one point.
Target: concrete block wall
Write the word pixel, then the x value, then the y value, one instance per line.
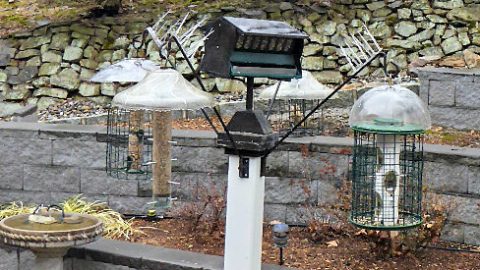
pixel 452 95
pixel 43 163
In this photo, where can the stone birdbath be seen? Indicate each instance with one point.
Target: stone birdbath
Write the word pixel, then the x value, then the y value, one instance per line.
pixel 49 233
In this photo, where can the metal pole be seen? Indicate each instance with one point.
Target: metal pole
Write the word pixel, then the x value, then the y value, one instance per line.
pixel 272 101
pixel 250 81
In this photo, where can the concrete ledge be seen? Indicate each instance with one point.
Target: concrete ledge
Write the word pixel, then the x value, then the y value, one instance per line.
pixel 145 257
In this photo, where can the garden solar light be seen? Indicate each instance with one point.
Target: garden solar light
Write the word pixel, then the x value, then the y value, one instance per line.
pixel 280 237
pixel 388 123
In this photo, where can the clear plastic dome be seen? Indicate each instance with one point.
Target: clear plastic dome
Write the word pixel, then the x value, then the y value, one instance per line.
pixel 129 70
pixel 390 109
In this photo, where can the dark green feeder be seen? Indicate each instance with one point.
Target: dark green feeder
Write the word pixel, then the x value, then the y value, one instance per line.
pixel 388 124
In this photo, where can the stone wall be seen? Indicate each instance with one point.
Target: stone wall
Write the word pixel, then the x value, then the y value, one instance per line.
pixel 47 163
pixel 55 61
pixel 453 96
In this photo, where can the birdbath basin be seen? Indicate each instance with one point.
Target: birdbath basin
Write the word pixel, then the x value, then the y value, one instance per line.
pixel 49 242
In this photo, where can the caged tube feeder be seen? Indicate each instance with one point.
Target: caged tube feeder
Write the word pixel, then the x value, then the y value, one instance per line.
pixel 388 124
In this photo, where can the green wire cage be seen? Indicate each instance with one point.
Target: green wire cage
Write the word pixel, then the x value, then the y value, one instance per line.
pixel 387 168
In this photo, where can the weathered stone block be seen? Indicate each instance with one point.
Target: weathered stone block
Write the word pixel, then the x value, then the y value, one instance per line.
pixel 98 182
pixel 67 78
pixel 35 42
pixel 43 178
pixel 8 257
pixel 60 41
pixel 199 159
pixel 473 180
pixel 277 164
pixel 468 95
pixel 329 77
pixel 51 57
pixel 451 45
pixel 18 92
pixel 471 235
pixel 320 166
pixel 11 176
pixel 451 4
pixel 26 74
pixel 453 232
pixel 49 69
pixel 273 211
pixel 72 53
pixel 441 93
pixel 129 204
pixel 73 152
pixel 34 62
pixel 459 209
pixel 83 29
pixel 458 118
pixel 88 89
pixel 405 28
pixel 108 89
pixel 26 259
pixel 446 177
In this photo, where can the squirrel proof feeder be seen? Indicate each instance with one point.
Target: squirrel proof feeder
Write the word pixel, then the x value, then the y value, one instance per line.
pixel 388 123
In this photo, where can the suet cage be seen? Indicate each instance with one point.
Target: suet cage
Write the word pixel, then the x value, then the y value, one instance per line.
pixel 387 168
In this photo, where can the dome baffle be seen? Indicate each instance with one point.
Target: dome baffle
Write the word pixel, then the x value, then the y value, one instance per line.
pixel 387 163
pixel 163 90
pixel 129 70
pixel 293 102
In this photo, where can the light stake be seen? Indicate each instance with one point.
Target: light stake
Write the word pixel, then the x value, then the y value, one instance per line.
pixel 280 238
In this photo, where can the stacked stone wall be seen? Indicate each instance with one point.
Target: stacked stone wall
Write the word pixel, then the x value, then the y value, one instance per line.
pixel 56 61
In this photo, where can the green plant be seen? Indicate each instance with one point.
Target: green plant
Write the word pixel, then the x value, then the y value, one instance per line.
pixel 115 226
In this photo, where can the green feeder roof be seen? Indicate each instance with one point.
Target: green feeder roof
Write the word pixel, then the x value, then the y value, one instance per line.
pixel 390 110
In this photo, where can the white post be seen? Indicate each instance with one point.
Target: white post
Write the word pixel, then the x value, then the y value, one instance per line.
pixel 244 226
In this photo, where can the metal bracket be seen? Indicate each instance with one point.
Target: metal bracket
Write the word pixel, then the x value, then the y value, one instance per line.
pixel 243 167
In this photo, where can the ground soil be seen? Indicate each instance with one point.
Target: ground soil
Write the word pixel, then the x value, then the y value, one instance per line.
pixel 436 135
pixel 345 251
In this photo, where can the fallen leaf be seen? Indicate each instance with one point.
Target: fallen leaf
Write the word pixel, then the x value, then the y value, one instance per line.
pixel 332 243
